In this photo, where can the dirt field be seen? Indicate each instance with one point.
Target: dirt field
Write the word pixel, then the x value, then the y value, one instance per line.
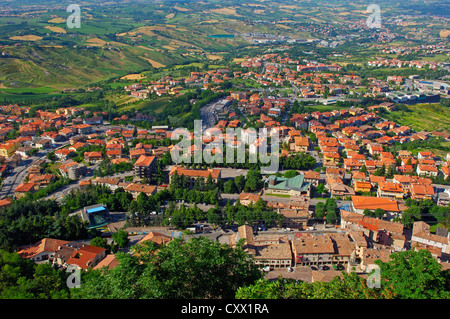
pixel 29 37
pixel 132 77
pixel 444 33
pixel 57 20
pixel 55 29
pixel 97 41
pixel 214 57
pixel 181 9
pixel 226 11
pixel 154 63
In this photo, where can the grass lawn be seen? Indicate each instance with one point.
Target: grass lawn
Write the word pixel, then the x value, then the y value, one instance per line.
pixel 279 195
pixel 155 105
pixel 428 117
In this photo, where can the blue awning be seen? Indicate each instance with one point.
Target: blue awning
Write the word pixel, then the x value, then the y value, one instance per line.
pixel 95 210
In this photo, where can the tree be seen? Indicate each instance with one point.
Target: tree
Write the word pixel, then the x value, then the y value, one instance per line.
pixel 213 215
pixel 173 272
pixel 331 217
pixel 117 283
pixel 99 242
pixel 368 212
pixel 414 275
pixel 22 279
pixel 379 212
pixel 349 287
pixel 320 210
pixel 411 215
pixel 121 238
pixel 197 258
pixel 239 181
pixel 290 173
pixel 229 187
pixel 331 205
pixel 253 181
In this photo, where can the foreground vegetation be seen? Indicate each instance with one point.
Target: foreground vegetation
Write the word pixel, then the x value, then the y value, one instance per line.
pixel 408 275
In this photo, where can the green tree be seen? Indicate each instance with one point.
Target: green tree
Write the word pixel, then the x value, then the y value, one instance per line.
pixel 117 283
pixel 253 181
pixel 239 181
pixel 229 187
pixel 121 238
pixel 379 212
pixel 290 173
pixel 414 275
pixel 214 215
pixel 320 210
pixel 198 258
pixel 99 242
pixel 173 272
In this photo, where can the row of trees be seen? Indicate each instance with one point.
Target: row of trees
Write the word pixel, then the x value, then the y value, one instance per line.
pixel 425 210
pixel 26 221
pixel 328 210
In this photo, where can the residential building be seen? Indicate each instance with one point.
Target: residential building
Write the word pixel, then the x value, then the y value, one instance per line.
pixel 64 153
pixel 158 238
pixel 43 143
pixel 422 192
pixel 375 230
pixel 427 170
pixel 443 198
pixel 93 157
pixel 315 250
pixel 389 205
pixel 72 169
pixel 109 262
pixel 44 249
pixel 25 188
pixel 362 186
pixel 294 218
pixel 301 143
pixel 274 256
pixel 136 189
pixel 110 182
pixel 145 166
pixel 87 257
pixel 273 252
pixel 8 148
pixel 247 198
pixel 194 174
pixel 312 177
pixel 422 238
pixel 390 189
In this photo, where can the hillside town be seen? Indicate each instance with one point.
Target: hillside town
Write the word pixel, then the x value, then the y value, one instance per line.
pixel 350 207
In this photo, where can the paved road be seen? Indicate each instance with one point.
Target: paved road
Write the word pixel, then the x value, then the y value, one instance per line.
pixel 208 115
pixel 17 176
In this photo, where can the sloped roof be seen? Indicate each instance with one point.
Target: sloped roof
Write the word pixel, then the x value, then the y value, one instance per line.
pixel 156 237
pixel 372 203
pixel 144 160
pixel 295 183
pixel 44 245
